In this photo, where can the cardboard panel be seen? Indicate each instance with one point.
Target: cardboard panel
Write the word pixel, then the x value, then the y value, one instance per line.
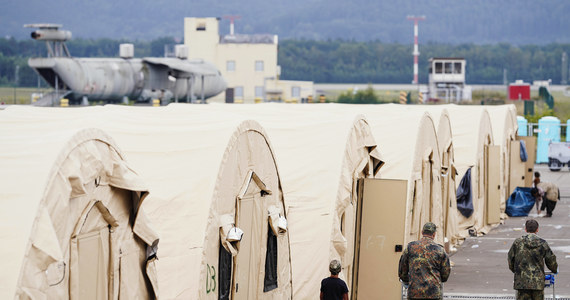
pixel 530 143
pixel 493 185
pixel 518 167
pixel 382 218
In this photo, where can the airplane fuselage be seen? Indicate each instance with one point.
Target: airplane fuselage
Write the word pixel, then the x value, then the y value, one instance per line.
pixel 113 79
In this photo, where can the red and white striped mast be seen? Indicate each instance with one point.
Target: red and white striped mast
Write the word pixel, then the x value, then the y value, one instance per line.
pixel 416 52
pixel 232 19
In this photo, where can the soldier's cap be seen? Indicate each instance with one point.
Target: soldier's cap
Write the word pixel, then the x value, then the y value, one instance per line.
pixel 335 266
pixel 429 228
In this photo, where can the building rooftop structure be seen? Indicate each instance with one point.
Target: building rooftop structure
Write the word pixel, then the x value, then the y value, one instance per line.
pixel 248 39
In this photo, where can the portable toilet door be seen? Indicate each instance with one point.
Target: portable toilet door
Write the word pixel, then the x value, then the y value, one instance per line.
pixel 567 131
pixel 522 124
pixel 548 131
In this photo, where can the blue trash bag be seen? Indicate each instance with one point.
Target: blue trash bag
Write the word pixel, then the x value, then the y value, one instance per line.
pixel 520 202
pixel 464 195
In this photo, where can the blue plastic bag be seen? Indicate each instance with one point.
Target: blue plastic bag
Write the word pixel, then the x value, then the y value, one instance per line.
pixel 520 202
pixel 524 155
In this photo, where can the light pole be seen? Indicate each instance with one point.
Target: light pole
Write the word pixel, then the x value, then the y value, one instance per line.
pixel 16 75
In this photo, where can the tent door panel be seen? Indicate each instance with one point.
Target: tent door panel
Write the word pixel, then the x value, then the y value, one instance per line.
pixel 243 259
pixel 93 264
pixel 445 182
pixel 530 143
pixel 518 168
pixel 493 184
pixel 382 219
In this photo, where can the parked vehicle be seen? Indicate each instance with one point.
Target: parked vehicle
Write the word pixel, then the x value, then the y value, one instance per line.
pixel 558 155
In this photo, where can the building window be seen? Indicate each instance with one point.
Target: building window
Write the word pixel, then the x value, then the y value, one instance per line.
pixel 201 26
pixel 258 92
pixel 230 65
pixel 259 65
pixel 457 68
pixel 438 68
pixel 448 68
pixel 295 92
pixel 238 91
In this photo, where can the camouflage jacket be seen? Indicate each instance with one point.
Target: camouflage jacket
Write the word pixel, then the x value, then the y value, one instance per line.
pixel 526 259
pixel 424 265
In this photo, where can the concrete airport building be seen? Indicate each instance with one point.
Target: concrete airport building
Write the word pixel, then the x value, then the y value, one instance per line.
pixel 247 62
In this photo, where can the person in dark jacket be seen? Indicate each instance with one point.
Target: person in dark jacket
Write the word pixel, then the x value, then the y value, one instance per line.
pixel 527 257
pixel 424 266
pixel 334 288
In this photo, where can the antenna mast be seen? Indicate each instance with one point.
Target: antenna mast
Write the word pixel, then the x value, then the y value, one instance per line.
pixel 232 19
pixel 416 52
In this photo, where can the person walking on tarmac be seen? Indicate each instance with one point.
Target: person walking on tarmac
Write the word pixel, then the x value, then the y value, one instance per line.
pixel 334 288
pixel 424 266
pixel 527 257
pixel 549 193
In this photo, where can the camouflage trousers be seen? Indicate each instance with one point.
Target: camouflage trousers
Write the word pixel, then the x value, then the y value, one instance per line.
pixel 530 294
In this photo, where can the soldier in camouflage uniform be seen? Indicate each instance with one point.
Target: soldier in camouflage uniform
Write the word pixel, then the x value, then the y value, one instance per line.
pixel 527 257
pixel 424 265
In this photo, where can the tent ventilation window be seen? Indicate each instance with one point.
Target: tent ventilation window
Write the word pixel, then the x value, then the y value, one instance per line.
pixel 270 280
pixel 224 273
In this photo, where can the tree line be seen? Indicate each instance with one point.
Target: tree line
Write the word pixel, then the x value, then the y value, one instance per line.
pixel 331 61
pixel 374 62
pixel 14 54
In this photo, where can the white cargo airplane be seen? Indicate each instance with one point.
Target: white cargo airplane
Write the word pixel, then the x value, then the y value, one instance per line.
pixel 121 78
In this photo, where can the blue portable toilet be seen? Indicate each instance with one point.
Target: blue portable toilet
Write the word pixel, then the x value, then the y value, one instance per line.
pixel 567 131
pixel 548 131
pixel 523 126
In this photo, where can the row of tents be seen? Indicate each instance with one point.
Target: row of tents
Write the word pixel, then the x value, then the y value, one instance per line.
pixel 226 201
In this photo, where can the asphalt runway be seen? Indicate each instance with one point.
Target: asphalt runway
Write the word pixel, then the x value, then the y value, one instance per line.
pixel 480 268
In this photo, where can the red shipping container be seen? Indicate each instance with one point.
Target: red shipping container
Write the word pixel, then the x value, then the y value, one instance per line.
pixel 519 92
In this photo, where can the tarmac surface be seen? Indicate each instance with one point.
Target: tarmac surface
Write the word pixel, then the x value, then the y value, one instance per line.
pixel 480 268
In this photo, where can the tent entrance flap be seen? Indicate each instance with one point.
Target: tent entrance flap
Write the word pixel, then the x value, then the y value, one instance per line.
pixel 252 220
pixel 518 168
pixel 530 143
pixel 493 184
pixel 243 258
pixel 381 219
pixel 91 250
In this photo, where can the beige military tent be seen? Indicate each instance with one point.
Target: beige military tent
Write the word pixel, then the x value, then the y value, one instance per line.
pixel 448 171
pixel 410 149
pixel 475 151
pixel 408 143
pixel 321 157
pixel 71 225
pixel 512 168
pixel 209 174
pixel 407 132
